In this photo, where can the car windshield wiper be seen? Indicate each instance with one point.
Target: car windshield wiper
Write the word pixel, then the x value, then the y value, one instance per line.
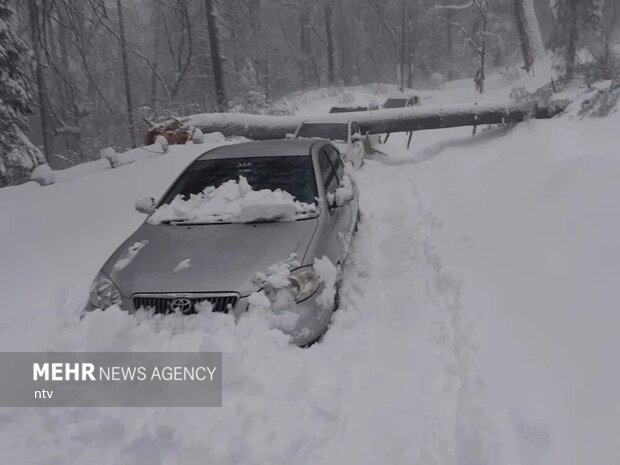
pixel 188 222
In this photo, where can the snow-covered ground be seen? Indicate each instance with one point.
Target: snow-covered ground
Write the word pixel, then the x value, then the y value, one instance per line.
pixel 478 320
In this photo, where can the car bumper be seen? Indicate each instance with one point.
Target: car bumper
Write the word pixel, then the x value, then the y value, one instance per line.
pixel 311 322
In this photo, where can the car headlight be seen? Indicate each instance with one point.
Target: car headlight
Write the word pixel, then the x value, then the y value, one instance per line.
pixel 304 282
pixel 103 292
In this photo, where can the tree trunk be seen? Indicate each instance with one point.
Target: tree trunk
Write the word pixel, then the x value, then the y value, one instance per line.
pixel 216 58
pixel 344 49
pixel 524 38
pixel 303 47
pixel 530 38
pixel 450 73
pixel 483 45
pixel 123 45
pixel 571 46
pixel 411 32
pixel 483 52
pixel 403 24
pixel 42 99
pixel 69 108
pixel 331 74
pixel 155 23
pixel 260 127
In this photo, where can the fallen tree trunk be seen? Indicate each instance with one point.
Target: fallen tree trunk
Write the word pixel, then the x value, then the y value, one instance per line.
pixel 259 127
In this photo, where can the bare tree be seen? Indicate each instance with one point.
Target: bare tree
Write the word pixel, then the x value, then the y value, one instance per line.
pixel 403 34
pixel 331 73
pixel 216 57
pixel 123 46
pixel 477 40
pixel 529 33
pixel 38 23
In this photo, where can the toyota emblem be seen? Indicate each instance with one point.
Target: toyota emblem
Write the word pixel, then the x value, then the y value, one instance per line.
pixel 182 304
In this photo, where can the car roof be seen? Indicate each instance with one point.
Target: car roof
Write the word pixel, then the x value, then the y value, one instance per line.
pixel 263 148
pixel 401 96
pixel 330 120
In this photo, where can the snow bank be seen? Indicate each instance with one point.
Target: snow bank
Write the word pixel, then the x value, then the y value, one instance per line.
pixel 527 244
pixel 235 202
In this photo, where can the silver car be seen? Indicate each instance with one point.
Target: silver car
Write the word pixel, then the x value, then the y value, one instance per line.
pixel 225 256
pixel 344 133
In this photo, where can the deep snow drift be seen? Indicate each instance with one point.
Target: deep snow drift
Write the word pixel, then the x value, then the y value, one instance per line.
pixel 478 320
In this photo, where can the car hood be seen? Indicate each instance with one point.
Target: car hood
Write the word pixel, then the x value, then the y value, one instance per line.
pixel 204 258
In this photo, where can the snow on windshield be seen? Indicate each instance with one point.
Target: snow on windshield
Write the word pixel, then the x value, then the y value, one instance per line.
pixel 233 202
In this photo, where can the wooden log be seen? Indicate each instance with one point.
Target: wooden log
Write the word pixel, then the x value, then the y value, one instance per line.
pixel 259 127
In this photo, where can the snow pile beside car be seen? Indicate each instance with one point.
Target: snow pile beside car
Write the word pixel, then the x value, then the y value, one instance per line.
pixel 286 283
pixel 233 202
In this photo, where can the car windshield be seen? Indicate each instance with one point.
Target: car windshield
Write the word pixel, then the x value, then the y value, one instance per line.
pixel 395 103
pixel 331 131
pixel 292 174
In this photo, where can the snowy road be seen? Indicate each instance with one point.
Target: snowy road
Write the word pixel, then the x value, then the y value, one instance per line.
pixel 378 387
pixel 462 338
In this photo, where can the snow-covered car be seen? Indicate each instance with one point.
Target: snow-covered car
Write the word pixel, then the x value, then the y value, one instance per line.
pixel 236 214
pixel 345 134
pixel 401 101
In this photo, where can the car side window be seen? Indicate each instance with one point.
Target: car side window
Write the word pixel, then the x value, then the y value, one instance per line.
pixel 336 161
pixel 330 181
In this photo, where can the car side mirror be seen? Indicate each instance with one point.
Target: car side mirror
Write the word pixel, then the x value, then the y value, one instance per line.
pixel 145 205
pixel 290 135
pixel 357 137
pixel 343 196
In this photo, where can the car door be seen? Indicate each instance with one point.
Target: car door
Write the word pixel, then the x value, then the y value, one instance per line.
pixel 338 219
pixel 343 218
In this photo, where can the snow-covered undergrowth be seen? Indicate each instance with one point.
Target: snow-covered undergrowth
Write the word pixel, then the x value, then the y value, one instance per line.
pixel 477 324
pixel 234 202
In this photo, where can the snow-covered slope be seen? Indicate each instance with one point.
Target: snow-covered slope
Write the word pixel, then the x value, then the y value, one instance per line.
pixel 529 228
pixel 477 325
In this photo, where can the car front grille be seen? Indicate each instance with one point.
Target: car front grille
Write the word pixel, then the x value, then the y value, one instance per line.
pixel 185 303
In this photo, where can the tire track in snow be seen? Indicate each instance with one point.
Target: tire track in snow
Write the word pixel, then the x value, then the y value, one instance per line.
pixel 400 398
pixel 460 430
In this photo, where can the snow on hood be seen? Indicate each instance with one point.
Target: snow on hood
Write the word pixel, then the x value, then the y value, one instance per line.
pixel 234 202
